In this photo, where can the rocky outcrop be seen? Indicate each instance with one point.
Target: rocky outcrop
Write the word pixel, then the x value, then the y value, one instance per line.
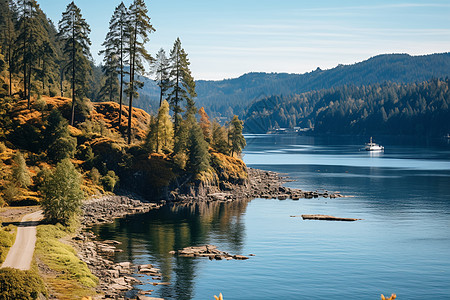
pixel 260 184
pixel 108 208
pixel 207 251
pixel 114 278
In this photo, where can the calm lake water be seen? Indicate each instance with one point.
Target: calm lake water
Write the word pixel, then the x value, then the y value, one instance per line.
pixel 401 246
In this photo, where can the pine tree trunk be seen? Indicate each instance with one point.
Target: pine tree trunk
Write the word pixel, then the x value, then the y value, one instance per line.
pixel 24 69
pixel 176 97
pixel 121 77
pixel 130 110
pixel 9 69
pixel 73 72
pixel 29 86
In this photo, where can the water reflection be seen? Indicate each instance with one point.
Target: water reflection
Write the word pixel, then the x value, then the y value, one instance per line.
pixel 148 238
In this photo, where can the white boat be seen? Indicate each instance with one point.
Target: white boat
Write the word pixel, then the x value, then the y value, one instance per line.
pixel 371 146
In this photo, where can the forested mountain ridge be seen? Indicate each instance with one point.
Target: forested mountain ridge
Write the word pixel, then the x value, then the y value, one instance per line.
pixel 387 108
pixel 233 96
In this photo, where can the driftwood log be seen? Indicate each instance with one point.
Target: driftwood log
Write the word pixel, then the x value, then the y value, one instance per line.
pixel 327 218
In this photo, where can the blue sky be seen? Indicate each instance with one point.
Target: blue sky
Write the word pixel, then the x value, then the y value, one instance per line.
pixel 225 39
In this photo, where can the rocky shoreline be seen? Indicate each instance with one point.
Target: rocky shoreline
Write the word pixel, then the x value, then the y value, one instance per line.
pixel 261 184
pixel 107 208
pixel 115 278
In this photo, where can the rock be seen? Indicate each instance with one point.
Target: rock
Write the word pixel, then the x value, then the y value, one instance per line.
pixel 240 257
pixel 209 251
pixel 120 280
pixel 283 197
pixel 112 242
pixel 125 265
pixel 142 297
pixel 131 280
pixel 113 273
pixel 147 266
pixel 106 249
pixel 119 287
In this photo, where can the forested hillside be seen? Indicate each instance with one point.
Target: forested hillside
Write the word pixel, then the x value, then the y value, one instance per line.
pixel 387 108
pixel 234 96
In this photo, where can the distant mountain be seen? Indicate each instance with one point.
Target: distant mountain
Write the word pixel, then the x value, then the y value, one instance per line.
pixel 234 96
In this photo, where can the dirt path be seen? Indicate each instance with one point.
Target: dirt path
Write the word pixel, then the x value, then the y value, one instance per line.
pixel 21 253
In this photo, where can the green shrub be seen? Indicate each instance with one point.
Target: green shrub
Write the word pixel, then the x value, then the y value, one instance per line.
pixel 95 176
pixel 62 193
pixel 40 104
pixel 17 284
pixel 62 148
pixel 53 93
pixel 7 237
pixel 11 192
pixel 110 181
pixel 20 173
pixel 2 147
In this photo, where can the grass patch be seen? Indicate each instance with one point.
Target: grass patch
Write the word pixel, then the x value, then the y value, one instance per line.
pixel 71 278
pixel 7 238
pixel 17 284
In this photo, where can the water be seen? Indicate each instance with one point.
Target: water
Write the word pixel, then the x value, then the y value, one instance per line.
pixel 401 246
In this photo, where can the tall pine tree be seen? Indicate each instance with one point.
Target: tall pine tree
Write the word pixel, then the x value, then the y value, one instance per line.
pixel 114 54
pixel 182 83
pixel 198 155
pixel 74 33
pixel 8 35
pixel 139 30
pixel 32 35
pixel 160 67
pixel 237 139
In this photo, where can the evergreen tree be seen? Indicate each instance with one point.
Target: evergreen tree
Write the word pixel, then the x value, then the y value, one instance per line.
pixel 237 140
pixel 47 57
pixel 74 33
pixel 160 67
pixel 8 35
pixel 62 193
pixel 139 30
pixel 114 55
pixel 198 156
pixel 181 141
pixel 3 86
pixel 205 124
pixel 151 139
pixel 32 35
pixel 219 138
pixel 165 129
pixel 20 173
pixel 182 83
pixel 57 139
pixel 110 86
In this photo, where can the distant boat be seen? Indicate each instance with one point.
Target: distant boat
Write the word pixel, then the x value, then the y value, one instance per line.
pixel 447 136
pixel 371 146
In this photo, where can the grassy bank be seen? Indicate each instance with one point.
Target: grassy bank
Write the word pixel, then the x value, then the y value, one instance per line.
pixel 67 277
pixel 7 238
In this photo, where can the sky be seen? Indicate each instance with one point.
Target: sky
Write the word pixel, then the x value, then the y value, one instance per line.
pixel 225 39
